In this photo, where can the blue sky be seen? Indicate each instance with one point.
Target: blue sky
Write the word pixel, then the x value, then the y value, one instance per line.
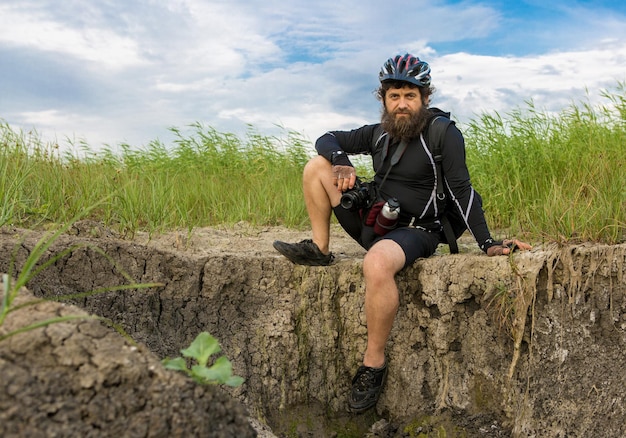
pixel 124 71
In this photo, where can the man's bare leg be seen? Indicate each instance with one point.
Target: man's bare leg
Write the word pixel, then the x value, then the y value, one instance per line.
pixel 380 265
pixel 320 196
pixel 383 260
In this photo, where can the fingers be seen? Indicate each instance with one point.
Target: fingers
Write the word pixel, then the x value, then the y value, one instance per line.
pixel 498 250
pixel 515 244
pixel 522 245
pixel 507 247
pixel 352 180
pixel 343 177
pixel 343 183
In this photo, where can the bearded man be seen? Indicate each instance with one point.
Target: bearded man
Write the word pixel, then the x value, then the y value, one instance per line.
pixel 405 172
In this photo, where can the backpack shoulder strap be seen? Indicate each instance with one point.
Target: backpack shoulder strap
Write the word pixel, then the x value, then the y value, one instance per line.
pixel 378 140
pixel 436 134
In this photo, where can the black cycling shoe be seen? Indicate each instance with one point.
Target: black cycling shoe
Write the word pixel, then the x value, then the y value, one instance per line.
pixel 367 385
pixel 304 253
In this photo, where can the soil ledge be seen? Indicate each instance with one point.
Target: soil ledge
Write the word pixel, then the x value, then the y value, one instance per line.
pixel 531 345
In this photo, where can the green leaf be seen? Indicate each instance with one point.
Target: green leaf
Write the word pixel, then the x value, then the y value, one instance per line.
pixel 219 372
pixel 234 381
pixel 177 364
pixel 202 348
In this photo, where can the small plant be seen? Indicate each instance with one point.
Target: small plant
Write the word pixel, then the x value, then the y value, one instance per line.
pixel 200 350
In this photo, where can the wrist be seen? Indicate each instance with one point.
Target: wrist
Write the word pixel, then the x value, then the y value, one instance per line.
pixel 339 158
pixel 489 243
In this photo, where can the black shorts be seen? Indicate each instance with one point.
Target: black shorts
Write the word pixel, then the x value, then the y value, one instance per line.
pixel 416 243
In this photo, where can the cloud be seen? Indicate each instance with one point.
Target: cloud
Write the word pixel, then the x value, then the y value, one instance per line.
pixel 120 71
pixel 470 84
pixel 19 27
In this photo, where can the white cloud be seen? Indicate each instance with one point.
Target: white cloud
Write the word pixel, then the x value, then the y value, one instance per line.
pixel 308 66
pixel 22 28
pixel 470 84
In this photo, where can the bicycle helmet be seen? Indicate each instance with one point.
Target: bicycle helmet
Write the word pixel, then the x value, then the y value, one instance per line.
pixel 407 68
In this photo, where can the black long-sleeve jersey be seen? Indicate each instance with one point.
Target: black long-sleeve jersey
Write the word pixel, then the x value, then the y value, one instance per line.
pixel 413 179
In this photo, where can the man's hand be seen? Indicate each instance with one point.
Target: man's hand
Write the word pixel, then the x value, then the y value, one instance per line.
pixel 344 177
pixel 507 247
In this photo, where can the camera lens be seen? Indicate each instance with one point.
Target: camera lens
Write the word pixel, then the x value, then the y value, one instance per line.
pixel 348 201
pixel 356 198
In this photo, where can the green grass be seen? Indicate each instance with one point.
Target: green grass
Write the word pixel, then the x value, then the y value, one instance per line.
pixel 559 177
pixel 204 178
pixel 546 177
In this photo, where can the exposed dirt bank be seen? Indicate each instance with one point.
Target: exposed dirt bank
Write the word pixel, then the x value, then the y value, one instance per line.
pixel 528 346
pixel 82 379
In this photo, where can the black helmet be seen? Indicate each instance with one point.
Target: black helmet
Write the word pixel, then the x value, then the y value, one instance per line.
pixel 407 68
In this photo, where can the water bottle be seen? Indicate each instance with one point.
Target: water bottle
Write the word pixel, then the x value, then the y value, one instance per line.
pixel 387 219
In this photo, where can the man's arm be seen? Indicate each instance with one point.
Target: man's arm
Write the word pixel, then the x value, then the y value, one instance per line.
pixel 466 200
pixel 335 147
pixel 328 146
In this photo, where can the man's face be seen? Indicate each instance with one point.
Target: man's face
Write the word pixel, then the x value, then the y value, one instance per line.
pixel 404 115
pixel 401 103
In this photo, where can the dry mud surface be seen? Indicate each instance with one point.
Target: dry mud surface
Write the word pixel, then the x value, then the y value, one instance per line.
pixel 482 347
pixel 244 240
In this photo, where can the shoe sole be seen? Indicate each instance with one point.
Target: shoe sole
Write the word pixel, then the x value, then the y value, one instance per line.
pixel 298 259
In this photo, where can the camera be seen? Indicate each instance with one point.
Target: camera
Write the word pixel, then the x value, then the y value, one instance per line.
pixel 357 197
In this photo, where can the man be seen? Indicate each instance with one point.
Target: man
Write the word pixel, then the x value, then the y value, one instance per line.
pixel 405 170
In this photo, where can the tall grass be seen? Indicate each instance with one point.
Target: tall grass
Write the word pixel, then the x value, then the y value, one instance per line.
pixel 205 178
pixel 543 176
pixel 554 176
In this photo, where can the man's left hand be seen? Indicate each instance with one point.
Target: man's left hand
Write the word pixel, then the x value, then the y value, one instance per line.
pixel 508 246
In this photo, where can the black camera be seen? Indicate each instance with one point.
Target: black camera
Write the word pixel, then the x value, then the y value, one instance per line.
pixel 357 197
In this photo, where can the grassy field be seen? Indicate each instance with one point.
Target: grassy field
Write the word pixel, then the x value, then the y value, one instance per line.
pixel 554 177
pixel 543 177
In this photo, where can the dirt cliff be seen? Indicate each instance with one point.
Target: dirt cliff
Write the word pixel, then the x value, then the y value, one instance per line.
pixel 531 345
pixel 82 379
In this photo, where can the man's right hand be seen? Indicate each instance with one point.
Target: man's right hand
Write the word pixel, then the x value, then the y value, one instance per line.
pixel 344 177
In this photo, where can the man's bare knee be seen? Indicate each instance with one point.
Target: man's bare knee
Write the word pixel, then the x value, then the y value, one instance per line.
pixel 316 167
pixel 318 180
pixel 384 259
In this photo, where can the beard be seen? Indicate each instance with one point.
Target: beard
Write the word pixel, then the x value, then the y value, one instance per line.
pixel 405 128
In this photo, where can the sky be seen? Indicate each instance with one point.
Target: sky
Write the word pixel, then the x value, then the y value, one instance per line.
pixel 113 72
